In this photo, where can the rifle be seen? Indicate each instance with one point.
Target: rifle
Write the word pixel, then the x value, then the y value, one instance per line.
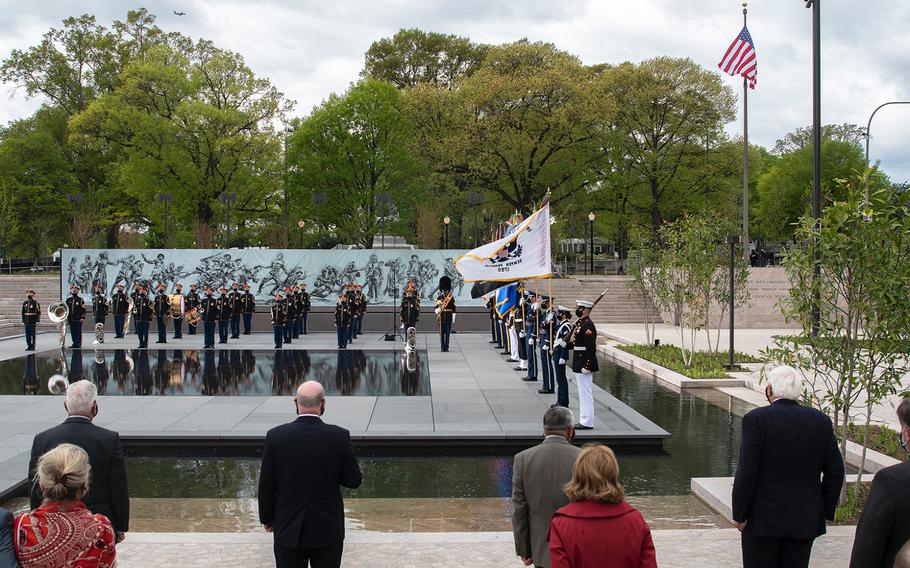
pixel 576 327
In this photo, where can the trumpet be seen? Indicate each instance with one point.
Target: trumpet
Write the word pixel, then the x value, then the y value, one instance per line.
pixel 57 313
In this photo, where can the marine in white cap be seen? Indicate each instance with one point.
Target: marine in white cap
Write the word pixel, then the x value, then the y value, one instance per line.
pixel 584 363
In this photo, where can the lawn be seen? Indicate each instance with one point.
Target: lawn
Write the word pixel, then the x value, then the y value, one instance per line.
pixel 705 365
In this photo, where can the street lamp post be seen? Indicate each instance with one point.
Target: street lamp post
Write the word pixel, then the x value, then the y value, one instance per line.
pixel 475 200
pixel 384 198
pixel 300 225
pixel 816 153
pixel 228 199
pixel 288 130
pixel 166 197
pixel 446 221
pixel 868 135
pixel 732 240
pixel 591 240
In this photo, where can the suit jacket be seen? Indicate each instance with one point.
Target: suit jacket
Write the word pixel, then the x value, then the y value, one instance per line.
pixel 304 465
pixel 884 526
pixel 7 552
pixel 785 449
pixel 538 476
pixel 107 492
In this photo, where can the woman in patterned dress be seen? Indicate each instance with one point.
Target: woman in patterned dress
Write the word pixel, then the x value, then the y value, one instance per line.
pixel 62 533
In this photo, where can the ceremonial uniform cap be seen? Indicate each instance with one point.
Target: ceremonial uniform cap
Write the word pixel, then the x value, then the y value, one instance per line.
pixel 584 304
pixel 563 309
pixel 119 286
pixel 30 291
pixel 247 286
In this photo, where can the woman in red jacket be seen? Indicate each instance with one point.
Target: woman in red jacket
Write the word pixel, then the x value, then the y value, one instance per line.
pixel 598 529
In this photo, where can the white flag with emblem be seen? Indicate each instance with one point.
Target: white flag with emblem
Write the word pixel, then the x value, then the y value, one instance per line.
pixel 522 254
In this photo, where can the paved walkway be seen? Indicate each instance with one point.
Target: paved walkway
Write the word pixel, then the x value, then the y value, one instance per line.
pixel 710 548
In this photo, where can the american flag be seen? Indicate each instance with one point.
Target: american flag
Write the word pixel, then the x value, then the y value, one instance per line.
pixel 740 58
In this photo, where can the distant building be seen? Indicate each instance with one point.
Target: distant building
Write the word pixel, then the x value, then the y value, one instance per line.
pixel 580 246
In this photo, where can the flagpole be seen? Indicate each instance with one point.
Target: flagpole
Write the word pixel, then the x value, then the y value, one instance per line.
pixel 745 159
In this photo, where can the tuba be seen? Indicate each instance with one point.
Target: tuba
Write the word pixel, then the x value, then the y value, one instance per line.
pixel 57 313
pixel 99 333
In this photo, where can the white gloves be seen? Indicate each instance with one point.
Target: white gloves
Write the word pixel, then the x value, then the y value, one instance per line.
pixel 521 334
pixel 453 317
pixel 436 311
pixel 530 341
pixel 562 343
pixel 402 326
pixel 544 348
pixel 562 361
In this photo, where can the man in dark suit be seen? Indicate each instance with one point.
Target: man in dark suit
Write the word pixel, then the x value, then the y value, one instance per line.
pixel 538 476
pixel 107 492
pixel 304 465
pixel 883 533
pixel 779 503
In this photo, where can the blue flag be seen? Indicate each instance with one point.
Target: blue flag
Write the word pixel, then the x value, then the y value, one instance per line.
pixel 506 299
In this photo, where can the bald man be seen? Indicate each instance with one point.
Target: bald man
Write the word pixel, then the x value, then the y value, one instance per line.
pixel 304 465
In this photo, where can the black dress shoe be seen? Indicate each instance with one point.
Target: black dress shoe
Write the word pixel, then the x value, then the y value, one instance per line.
pixel 517 369
pixel 530 379
pixel 583 427
pixel 546 391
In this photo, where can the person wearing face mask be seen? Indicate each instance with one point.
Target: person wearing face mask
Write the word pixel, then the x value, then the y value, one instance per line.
pixel 76 306
pixel 143 310
pixel 279 319
pixel 162 307
pixel 584 363
pixel 192 302
pixel 531 333
pixel 544 339
pixel 562 346
pixel 210 312
pixel 31 315
pixel 236 310
pixel 119 306
pixel 225 312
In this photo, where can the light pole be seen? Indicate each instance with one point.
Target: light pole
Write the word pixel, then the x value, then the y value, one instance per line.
pixel 300 225
pixel 591 240
pixel 868 135
pixel 475 200
pixel 228 199
pixel 166 197
pixel 732 240
pixel 319 198
pixel 288 130
pixel 446 221
pixel 384 198
pixel 816 153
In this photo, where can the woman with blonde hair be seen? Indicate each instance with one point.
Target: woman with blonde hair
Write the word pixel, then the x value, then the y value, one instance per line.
pixel 598 529
pixel 62 533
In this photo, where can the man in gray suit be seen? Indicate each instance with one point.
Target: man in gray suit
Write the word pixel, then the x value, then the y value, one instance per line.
pixel 538 476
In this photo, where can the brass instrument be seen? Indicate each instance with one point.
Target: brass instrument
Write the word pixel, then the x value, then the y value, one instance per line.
pixel 57 313
pixel 193 317
pixel 99 356
pixel 99 333
pixel 129 315
pixel 58 382
pixel 443 305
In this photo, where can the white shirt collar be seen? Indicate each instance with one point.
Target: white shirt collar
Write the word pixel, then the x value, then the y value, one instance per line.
pixel 313 415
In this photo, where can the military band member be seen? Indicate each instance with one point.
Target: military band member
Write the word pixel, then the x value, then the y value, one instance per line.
pixel 178 316
pixel 236 310
pixel 546 331
pixel 135 296
pixel 211 311
pixel 512 330
pixel 76 306
pixel 249 308
pixel 562 346
pixel 294 299
pixel 119 305
pixel 306 309
pixel 290 306
pixel 162 307
pixel 279 318
pixel 143 312
pixel 360 302
pixel 225 312
pixel 192 301
pixel 584 363
pixel 99 306
pixel 409 313
pixel 342 320
pixel 445 311
pixel 532 325
pixel 31 315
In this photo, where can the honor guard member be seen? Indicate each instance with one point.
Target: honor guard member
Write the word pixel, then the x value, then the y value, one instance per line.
pixel 294 324
pixel 99 307
pixel 513 336
pixel 143 312
pixel 290 306
pixel 342 320
pixel 249 308
pixel 546 331
pixel 410 308
pixel 119 305
pixel 236 310
pixel 491 307
pixel 178 317
pixel 584 363
pixel 211 311
pixel 531 332
pixel 76 306
pixel 135 296
pixel 162 307
pixel 362 302
pixel 298 321
pixel 225 313
pixel 193 301
pixel 562 347
pixel 306 308
pixel 279 318
pixel 445 311
pixel 31 315
pixel 519 324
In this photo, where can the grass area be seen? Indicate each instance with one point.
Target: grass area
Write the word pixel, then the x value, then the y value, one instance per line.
pixel 849 512
pixel 881 439
pixel 705 365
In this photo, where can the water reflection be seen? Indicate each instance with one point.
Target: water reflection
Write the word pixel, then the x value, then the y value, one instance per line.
pixel 236 372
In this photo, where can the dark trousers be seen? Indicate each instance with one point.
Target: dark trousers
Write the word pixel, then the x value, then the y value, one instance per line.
pixel 162 330
pixel 324 557
pixel 142 332
pixel 223 330
pixel 296 331
pixel 30 336
pixel 445 329
pixel 178 328
pixel 532 358
pixel 342 333
pixel 359 323
pixel 350 329
pixel 235 326
pixel 278 333
pixel 562 385
pixel 303 322
pixel 247 323
pixel 497 333
pixel 493 329
pixel 190 329
pixel 76 333
pixel 761 552
pixel 208 328
pixel 118 325
pixel 546 369
pixel 289 330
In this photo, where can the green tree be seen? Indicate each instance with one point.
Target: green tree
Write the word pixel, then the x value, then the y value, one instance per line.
pixel 354 149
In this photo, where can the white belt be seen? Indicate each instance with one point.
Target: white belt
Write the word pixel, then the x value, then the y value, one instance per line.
pixel 579 349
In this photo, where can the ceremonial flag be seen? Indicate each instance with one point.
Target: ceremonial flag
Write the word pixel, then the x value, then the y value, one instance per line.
pixel 740 58
pixel 506 299
pixel 522 254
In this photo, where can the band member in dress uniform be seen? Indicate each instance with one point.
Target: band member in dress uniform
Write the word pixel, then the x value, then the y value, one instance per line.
pixel 409 314
pixel 279 318
pixel 305 314
pixel 546 330
pixel 290 306
pixel 584 363
pixel 162 307
pixel 143 312
pixel 211 312
pixel 76 306
pixel 236 310
pixel 135 296
pixel 562 347
pixel 249 308
pixel 531 310
pixel 119 305
pixel 31 315
pixel 178 317
pixel 445 311
pixel 342 320
pixel 99 307
pixel 192 301
pixel 225 313
pixel 294 300
pixel 519 323
pixel 361 300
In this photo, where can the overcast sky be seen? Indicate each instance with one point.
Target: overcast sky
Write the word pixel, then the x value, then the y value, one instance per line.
pixel 310 49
